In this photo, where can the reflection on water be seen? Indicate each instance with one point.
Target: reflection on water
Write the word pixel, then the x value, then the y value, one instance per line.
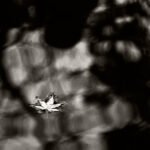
pixel 102 79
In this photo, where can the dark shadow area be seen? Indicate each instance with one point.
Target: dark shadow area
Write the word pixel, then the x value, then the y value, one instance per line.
pixel 129 138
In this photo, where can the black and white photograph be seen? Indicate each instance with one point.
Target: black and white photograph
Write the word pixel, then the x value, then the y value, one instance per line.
pixel 75 75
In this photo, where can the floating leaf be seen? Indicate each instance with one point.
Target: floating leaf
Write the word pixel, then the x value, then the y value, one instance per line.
pixel 48 104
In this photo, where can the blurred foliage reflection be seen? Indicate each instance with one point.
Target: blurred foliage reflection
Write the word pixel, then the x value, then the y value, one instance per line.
pixel 95 58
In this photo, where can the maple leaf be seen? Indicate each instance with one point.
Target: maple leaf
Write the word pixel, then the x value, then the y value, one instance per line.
pixel 48 104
